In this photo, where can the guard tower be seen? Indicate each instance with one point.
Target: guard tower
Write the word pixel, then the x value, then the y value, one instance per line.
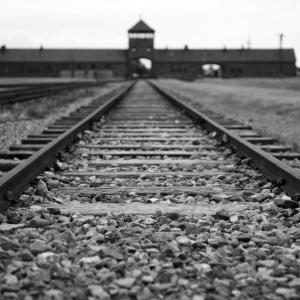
pixel 141 44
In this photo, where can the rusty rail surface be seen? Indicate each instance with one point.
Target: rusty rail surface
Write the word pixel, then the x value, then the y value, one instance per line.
pixel 14 182
pixel 287 177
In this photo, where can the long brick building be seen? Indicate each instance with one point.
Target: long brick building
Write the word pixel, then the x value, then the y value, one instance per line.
pixel 126 63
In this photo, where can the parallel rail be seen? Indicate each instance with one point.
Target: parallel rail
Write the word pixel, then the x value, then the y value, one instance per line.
pixel 287 177
pixel 14 182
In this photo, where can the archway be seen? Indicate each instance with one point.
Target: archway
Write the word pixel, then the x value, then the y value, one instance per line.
pixel 212 70
pixel 142 67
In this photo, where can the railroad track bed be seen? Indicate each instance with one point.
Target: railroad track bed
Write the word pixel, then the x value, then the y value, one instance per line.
pixel 146 205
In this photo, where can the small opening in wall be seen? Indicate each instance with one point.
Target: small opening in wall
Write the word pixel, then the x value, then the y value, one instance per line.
pixel 142 67
pixel 212 70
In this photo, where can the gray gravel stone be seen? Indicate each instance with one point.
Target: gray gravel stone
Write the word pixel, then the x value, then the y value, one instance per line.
pixel 223 214
pixel 98 292
pixel 54 294
pixel 39 222
pixel 41 188
pixel 26 255
pixel 285 202
pixel 126 282
pixel 38 246
pixel 13 217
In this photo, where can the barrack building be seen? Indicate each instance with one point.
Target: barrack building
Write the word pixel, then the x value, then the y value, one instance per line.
pixel 165 63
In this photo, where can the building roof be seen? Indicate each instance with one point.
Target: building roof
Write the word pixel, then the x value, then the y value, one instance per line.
pixel 141 27
pixel 63 55
pixel 224 55
pixel 160 55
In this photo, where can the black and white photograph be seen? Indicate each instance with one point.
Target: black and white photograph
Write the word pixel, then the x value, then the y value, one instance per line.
pixel 149 150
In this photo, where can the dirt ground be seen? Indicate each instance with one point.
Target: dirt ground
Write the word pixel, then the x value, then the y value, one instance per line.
pixel 272 106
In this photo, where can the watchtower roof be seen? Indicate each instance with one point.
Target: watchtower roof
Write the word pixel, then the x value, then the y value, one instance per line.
pixel 141 27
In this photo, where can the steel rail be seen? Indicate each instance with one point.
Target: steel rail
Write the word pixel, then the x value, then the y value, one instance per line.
pixel 56 83
pixel 287 177
pixel 13 183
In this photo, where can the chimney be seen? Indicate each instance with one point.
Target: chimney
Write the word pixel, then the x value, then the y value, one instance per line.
pixel 3 48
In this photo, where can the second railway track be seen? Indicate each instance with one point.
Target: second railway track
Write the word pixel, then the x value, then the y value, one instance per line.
pixel 26 92
pixel 169 213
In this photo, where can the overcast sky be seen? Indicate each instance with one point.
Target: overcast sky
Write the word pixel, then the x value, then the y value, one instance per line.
pixel 103 23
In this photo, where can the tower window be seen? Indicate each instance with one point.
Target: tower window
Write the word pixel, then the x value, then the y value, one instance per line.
pixel 137 35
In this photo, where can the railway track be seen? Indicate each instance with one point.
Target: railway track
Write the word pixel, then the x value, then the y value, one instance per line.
pixel 263 151
pixel 24 92
pixel 147 205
